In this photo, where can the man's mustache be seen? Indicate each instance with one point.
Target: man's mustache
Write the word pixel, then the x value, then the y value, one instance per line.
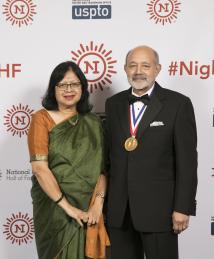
pixel 138 76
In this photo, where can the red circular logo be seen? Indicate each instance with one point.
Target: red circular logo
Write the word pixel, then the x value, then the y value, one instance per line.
pixel 18 120
pixel 19 12
pixel 163 11
pixel 96 63
pixel 19 228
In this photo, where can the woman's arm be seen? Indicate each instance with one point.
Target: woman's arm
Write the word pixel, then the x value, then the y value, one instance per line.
pixel 50 186
pixel 95 211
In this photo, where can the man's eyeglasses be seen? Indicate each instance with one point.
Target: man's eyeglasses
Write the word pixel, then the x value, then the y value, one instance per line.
pixel 64 87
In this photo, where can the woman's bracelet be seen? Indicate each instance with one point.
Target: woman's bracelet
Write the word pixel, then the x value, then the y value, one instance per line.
pixel 100 194
pixel 61 197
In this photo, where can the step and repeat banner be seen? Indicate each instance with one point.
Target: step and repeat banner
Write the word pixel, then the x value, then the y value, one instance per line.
pixel 37 35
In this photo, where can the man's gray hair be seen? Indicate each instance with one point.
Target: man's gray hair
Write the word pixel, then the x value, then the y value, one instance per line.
pixel 144 46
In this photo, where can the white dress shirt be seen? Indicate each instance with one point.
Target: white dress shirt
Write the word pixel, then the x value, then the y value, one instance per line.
pixel 138 106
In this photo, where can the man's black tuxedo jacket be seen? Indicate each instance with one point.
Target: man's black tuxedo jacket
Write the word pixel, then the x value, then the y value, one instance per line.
pixel 160 175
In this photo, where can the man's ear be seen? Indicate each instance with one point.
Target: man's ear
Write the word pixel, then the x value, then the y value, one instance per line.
pixel 158 67
pixel 125 68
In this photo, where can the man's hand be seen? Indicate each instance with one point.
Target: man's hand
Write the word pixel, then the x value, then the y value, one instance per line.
pixel 180 222
pixel 95 212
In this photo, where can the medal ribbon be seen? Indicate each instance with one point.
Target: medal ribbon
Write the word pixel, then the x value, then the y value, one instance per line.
pixel 134 121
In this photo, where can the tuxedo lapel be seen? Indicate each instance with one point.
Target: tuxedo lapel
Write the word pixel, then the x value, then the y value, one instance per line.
pixel 123 114
pixel 151 111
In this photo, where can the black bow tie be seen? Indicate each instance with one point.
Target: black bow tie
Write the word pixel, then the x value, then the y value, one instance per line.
pixel 145 99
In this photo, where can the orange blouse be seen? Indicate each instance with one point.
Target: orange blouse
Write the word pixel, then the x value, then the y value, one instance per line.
pixel 38 137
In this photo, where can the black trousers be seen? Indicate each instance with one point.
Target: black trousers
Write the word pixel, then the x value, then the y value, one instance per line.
pixel 127 243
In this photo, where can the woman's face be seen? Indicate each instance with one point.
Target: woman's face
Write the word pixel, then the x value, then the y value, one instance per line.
pixel 68 91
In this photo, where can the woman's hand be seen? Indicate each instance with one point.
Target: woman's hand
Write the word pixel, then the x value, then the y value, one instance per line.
pixel 95 211
pixel 77 214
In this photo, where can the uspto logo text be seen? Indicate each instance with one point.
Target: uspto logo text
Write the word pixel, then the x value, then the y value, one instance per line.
pixel 91 12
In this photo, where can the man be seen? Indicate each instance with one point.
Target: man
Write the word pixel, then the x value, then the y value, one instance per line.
pixel 153 163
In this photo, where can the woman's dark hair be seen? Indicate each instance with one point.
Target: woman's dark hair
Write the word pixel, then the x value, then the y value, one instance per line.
pixel 49 101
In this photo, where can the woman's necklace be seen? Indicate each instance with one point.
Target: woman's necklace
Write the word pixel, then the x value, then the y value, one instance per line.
pixel 71 114
pixel 73 123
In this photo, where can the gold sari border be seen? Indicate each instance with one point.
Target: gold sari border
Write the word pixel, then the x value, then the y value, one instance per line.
pixel 38 157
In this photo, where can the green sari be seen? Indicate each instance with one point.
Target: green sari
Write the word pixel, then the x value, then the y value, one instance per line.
pixel 76 159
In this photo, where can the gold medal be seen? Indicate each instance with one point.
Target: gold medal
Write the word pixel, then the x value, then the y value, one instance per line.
pixel 131 143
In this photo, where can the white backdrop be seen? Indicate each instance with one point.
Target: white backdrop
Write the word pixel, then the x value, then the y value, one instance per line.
pixel 37 35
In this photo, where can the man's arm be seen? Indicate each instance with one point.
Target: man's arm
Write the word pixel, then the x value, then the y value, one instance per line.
pixel 185 143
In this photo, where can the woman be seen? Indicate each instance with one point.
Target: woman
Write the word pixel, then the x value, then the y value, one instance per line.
pixel 66 152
